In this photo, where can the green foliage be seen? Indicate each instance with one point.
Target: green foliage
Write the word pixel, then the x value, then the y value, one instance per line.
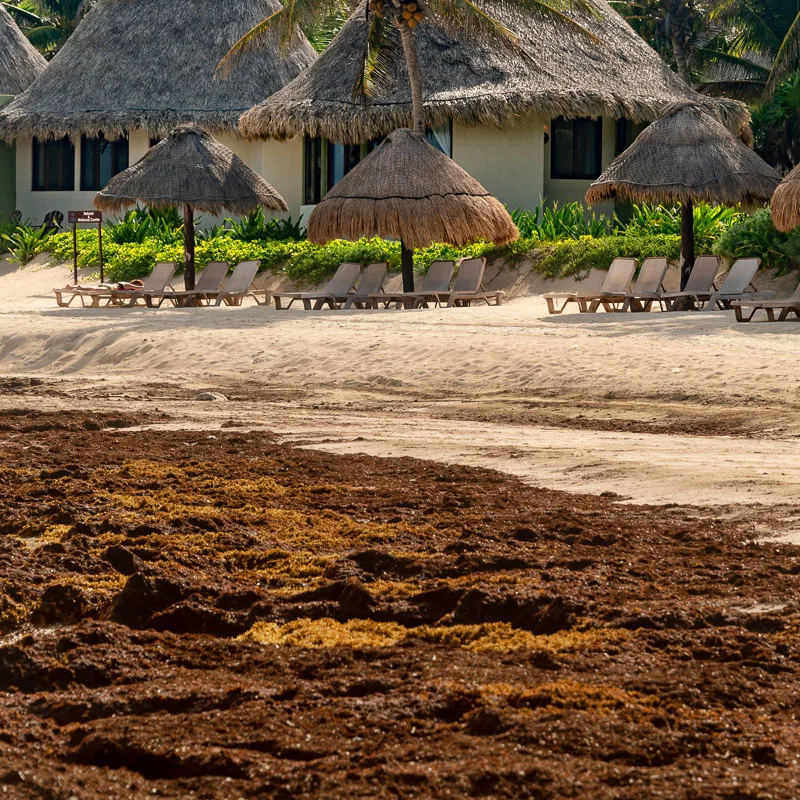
pixel 254 227
pixel 551 224
pixel 140 224
pixel 25 242
pixel 755 236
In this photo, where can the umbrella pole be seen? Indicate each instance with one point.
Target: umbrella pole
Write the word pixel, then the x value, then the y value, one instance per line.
pixel 188 247
pixel 687 241
pixel 407 261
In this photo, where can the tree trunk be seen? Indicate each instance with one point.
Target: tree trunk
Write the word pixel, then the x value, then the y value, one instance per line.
pixel 414 75
pixel 687 241
pixel 681 61
pixel 188 247
pixel 407 260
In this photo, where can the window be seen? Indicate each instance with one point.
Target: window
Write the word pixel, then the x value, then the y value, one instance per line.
pixel 53 165
pixel 441 137
pixel 101 160
pixel 627 131
pixel 341 159
pixel 576 148
pixel 312 171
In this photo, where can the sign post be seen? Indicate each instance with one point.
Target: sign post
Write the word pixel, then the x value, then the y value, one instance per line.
pixel 76 218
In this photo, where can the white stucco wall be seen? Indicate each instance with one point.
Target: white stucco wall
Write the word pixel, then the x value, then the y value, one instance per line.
pixel 281 163
pixel 509 162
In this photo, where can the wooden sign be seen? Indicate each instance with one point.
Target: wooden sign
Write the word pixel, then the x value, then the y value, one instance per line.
pixel 84 217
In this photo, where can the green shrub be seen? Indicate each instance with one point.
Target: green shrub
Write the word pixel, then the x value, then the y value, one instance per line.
pixel 554 223
pixel 25 242
pixel 755 236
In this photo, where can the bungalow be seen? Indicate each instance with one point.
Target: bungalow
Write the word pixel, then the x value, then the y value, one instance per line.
pixel 20 65
pixel 532 127
pixel 130 73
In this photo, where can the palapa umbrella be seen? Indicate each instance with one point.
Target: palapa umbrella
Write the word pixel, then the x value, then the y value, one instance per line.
pixel 786 202
pixel 687 156
pixel 192 169
pixel 406 189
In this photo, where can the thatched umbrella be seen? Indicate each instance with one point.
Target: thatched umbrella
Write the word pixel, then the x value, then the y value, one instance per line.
pixel 686 157
pixel 615 74
pixel 20 62
pixel 406 189
pixel 191 169
pixel 786 202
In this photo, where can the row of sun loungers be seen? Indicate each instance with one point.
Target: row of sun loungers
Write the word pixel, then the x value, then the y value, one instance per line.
pixel 349 288
pixel 701 292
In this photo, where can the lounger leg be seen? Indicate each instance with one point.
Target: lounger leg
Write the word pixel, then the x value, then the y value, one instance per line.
pixel 770 314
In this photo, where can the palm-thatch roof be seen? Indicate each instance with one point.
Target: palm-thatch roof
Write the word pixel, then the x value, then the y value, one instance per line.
pixel 614 74
pixel 687 155
pixel 190 167
pixel 20 62
pixel 149 65
pixel 406 189
pixel 786 202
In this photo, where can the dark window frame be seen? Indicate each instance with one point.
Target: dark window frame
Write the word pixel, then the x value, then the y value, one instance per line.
pixel 64 156
pixel 576 173
pixel 92 148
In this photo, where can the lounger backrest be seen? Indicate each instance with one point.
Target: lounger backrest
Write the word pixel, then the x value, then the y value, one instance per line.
pixel 438 276
pixel 212 277
pixel 470 275
pixel 344 279
pixel 162 274
pixel 372 279
pixel 796 295
pixel 741 275
pixel 651 276
pixel 620 275
pixel 701 278
pixel 241 277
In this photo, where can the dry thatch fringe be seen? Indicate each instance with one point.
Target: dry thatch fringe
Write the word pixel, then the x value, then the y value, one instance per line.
pixel 617 75
pixel 149 65
pixel 408 190
pixel 686 155
pixel 190 167
pixel 20 62
pixel 786 202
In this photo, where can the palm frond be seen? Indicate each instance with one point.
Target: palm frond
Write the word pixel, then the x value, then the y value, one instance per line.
pixel 23 14
pixel 379 60
pixel 786 61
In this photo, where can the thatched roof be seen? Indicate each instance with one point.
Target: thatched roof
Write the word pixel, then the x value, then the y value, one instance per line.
pixel 20 62
pixel 149 65
pixel 617 74
pixel 686 155
pixel 190 167
pixel 786 202
pixel 406 189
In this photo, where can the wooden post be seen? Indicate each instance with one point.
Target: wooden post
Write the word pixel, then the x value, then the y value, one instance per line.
pixel 687 241
pixel 100 248
pixel 75 252
pixel 407 261
pixel 188 247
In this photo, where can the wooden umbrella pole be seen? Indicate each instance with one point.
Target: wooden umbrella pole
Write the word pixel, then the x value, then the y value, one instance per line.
pixel 687 241
pixel 407 261
pixel 188 247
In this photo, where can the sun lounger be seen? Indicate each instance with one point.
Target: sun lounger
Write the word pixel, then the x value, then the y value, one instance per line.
pixel 436 281
pixel 737 285
pixel 786 306
pixel 617 283
pixel 649 285
pixel 467 288
pixel 702 281
pixel 240 285
pixel 340 285
pixel 104 296
pixel 370 285
pixel 211 280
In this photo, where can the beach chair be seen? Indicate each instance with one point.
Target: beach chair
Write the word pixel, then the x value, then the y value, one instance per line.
pixel 467 288
pixel 370 285
pixel 738 283
pixel 239 286
pixel 788 305
pixel 649 285
pixel 436 282
pixel 104 296
pixel 340 285
pixel 617 283
pixel 702 281
pixel 211 280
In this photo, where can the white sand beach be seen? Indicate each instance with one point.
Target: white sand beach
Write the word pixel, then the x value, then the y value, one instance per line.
pixel 638 405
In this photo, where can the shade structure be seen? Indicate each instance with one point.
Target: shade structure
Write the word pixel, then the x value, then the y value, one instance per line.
pixel 191 169
pixel 406 189
pixel 687 156
pixel 20 62
pixel 614 73
pixel 786 202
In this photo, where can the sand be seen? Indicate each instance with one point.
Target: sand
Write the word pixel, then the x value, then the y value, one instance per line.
pixel 660 408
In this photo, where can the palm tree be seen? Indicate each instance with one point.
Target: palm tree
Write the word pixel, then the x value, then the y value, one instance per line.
pixel 48 23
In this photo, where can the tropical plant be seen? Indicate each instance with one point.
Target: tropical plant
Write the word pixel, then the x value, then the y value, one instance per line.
pixel 48 23
pixel 710 222
pixel 554 223
pixel 24 243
